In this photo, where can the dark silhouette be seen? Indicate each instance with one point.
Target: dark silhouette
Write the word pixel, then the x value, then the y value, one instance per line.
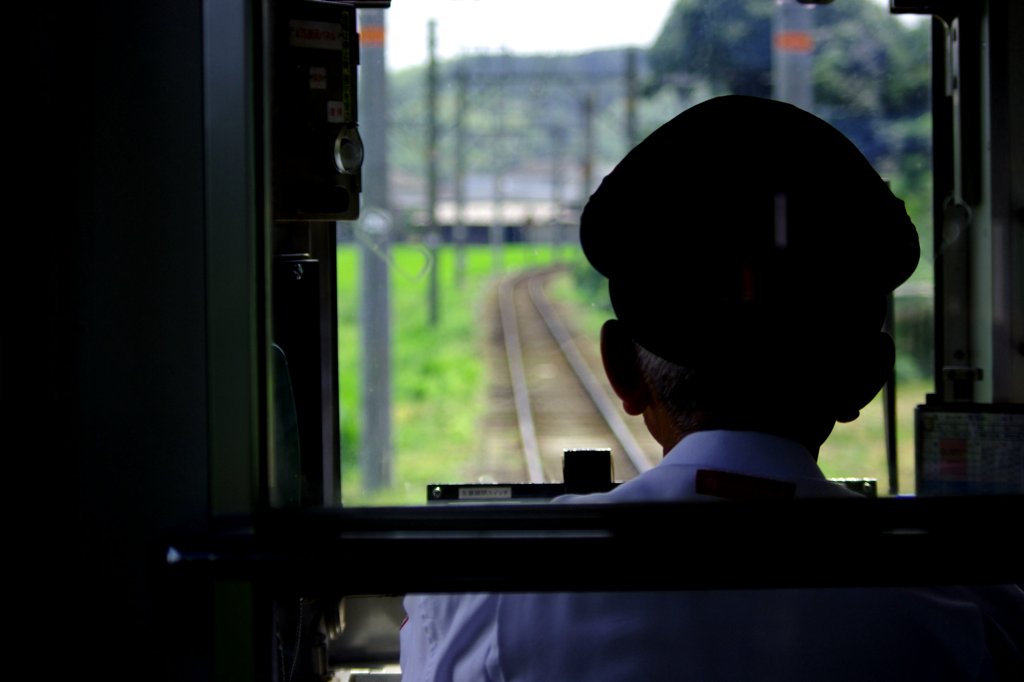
pixel 749 247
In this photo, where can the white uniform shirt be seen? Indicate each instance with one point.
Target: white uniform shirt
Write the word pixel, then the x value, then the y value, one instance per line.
pixel 812 634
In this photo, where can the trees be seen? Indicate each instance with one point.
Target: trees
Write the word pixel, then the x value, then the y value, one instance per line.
pixel 524 113
pixel 866 62
pixel 723 44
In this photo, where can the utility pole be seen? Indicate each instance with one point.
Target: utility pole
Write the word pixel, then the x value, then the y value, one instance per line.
pixel 631 97
pixel 587 163
pixel 792 54
pixel 460 231
pixel 556 135
pixel 433 238
pixel 498 194
pixel 374 227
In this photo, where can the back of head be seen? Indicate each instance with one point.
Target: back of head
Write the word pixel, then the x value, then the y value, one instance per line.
pixel 751 240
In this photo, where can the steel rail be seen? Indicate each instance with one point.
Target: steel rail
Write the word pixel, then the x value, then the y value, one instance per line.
pixel 517 374
pixel 630 446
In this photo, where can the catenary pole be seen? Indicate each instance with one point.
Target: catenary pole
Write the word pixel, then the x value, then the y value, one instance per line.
pixel 433 238
pixel 375 453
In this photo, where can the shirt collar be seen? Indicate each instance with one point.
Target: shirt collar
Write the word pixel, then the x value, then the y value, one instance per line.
pixel 750 452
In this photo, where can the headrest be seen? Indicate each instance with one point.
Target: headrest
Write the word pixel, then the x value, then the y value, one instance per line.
pixel 746 225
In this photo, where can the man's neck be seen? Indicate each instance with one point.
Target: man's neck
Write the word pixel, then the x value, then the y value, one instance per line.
pixel 810 439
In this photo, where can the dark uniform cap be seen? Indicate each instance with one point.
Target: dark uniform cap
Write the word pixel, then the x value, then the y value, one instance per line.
pixel 746 226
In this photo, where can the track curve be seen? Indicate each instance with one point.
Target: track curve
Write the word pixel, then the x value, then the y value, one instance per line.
pixel 549 393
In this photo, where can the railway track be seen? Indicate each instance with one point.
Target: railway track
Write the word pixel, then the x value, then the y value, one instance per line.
pixel 549 393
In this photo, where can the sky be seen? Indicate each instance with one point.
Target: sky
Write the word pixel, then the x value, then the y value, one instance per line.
pixel 519 26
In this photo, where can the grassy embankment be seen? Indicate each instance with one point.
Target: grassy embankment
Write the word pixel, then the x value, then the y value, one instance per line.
pixel 439 382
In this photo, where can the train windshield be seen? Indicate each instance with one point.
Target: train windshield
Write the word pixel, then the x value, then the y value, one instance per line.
pixel 468 318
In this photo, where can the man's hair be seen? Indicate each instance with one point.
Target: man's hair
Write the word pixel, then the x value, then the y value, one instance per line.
pixel 755 397
pixel 674 386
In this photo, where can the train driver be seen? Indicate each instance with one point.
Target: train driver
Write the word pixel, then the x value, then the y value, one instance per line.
pixel 749 247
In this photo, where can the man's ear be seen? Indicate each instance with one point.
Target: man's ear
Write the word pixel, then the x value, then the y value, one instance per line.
pixel 620 364
pixel 866 376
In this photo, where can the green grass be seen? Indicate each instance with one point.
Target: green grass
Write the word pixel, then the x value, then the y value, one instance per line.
pixel 439 382
pixel 857 449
